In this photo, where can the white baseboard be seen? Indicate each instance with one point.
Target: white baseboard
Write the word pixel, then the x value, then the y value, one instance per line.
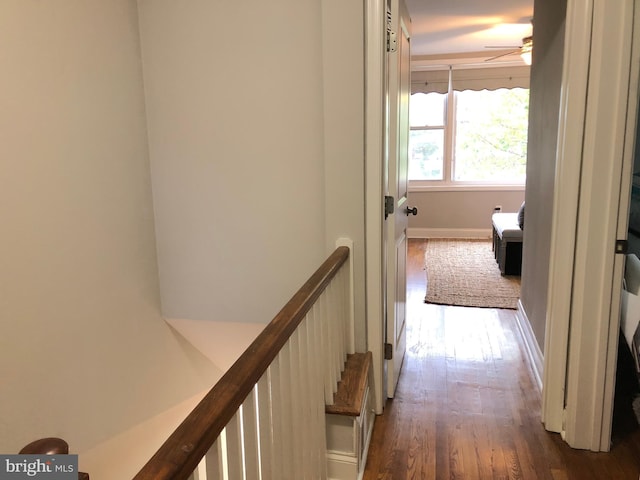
pixel 448 232
pixel 342 467
pixel 534 354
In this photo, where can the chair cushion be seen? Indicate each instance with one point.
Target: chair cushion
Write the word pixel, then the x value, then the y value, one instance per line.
pixel 506 226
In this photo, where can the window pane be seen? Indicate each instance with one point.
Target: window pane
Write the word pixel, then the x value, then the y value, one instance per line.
pixel 425 154
pixel 427 109
pixel 491 135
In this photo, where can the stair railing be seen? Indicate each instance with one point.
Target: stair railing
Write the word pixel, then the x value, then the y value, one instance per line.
pixel 265 418
pixel 50 446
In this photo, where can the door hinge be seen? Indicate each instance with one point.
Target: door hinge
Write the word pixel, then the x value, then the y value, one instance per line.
pixel 622 246
pixel 392 41
pixel 388 206
pixel 392 37
pixel 388 351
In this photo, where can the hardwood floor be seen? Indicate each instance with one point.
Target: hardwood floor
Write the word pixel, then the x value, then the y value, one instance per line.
pixel 466 406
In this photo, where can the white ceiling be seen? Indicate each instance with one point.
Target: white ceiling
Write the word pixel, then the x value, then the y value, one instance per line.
pixel 462 26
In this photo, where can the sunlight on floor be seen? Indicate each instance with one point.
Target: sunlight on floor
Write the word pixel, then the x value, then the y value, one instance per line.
pixel 472 334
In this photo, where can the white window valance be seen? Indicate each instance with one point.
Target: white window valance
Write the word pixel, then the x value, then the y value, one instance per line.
pixel 470 79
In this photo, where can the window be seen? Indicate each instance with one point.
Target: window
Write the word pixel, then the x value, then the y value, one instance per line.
pixel 471 136
pixel 426 139
pixel 427 154
pixel 491 135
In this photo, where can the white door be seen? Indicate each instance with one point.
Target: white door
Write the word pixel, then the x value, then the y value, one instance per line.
pixel 399 85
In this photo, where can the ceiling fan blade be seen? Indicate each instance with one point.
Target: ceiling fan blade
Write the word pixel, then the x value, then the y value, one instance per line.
pixel 501 55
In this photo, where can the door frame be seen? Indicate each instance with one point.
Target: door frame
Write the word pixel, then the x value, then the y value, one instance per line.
pixel 565 205
pixel 583 310
pixel 375 52
pixel 582 317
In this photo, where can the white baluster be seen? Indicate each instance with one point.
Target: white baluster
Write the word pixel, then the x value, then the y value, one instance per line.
pixel 235 460
pixel 277 412
pixel 344 310
pixel 307 398
pixel 250 437
pixel 314 346
pixel 316 395
pixel 333 334
pixel 285 419
pixel 335 364
pixel 200 473
pixel 337 298
pixel 297 432
pixel 325 338
pixel 265 425
pixel 213 463
pixel 336 329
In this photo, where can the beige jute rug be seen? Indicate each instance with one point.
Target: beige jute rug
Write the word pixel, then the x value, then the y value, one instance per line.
pixel 464 272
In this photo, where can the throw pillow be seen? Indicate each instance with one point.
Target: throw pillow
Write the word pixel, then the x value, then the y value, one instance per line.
pixel 521 217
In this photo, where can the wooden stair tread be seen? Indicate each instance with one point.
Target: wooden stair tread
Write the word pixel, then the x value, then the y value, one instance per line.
pixel 351 388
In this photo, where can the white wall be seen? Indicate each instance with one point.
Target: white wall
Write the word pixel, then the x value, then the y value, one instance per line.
pixel 235 116
pixel 456 210
pixel 84 351
pixel 237 120
pixel 343 61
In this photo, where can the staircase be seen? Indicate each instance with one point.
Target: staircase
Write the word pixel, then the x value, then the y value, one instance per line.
pixel 349 421
pixel 266 417
pixel 295 404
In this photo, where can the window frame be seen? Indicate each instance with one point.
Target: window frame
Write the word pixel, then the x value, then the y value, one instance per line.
pixel 448 183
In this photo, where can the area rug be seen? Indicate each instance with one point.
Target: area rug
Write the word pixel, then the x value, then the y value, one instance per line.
pixel 465 273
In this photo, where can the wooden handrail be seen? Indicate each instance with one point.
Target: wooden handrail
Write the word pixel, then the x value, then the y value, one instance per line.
pixel 46 446
pixel 180 454
pixel 50 446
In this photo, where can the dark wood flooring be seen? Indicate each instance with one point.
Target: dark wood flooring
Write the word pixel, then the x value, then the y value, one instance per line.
pixel 466 406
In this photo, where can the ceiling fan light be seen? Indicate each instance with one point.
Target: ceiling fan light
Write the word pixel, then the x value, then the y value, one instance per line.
pixel 525 50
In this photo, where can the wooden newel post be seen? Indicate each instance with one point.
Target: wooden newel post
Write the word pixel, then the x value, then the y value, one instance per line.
pixel 50 446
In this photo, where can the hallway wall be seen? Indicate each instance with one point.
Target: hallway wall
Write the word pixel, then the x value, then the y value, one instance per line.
pixel 235 115
pixel 241 169
pixel 343 89
pixel 84 351
pixel 546 75
pixel 456 209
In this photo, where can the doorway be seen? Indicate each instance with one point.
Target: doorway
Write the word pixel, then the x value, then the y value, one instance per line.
pixel 578 222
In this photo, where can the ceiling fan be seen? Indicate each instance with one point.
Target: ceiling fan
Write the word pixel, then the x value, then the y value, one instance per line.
pixel 523 50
